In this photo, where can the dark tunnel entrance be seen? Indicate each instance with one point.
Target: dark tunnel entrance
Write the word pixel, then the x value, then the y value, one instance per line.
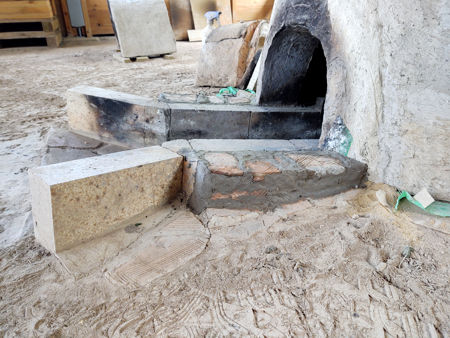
pixel 295 71
pixel 314 84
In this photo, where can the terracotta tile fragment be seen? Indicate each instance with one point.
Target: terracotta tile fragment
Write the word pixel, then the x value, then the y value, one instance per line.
pixel 260 169
pixel 223 164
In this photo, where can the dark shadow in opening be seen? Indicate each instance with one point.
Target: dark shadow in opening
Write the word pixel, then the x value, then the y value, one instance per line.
pixel 295 69
pixel 315 81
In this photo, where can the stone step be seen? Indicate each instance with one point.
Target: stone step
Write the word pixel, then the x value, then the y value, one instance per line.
pixel 76 201
pixel 135 121
pixel 243 174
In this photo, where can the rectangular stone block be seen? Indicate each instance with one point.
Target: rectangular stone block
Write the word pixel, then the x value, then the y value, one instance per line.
pixel 241 145
pixel 189 121
pixel 142 27
pixel 302 124
pixel 115 117
pixel 79 200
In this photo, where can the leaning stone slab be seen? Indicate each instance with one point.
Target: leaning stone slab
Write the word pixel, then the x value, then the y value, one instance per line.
pixel 63 145
pixel 142 27
pixel 115 117
pixel 76 201
pixel 223 60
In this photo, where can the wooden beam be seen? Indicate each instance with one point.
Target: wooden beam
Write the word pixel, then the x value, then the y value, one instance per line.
pixel 21 10
pixel 71 31
pixel 99 17
pixel 87 22
pixel 246 10
pixel 25 35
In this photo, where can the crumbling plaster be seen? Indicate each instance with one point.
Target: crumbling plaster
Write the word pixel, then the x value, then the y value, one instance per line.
pixel 388 77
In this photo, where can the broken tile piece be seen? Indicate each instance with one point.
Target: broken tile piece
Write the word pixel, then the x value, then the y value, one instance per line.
pixel 321 165
pixel 259 169
pixel 223 164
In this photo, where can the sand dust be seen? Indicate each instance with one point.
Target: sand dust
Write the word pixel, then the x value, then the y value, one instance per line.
pixel 329 267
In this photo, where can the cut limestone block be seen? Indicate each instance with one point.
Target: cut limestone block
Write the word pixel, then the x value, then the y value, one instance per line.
pixel 142 27
pixel 224 55
pixel 134 121
pixel 190 121
pixel 276 124
pixel 116 117
pixel 79 200
pixel 263 180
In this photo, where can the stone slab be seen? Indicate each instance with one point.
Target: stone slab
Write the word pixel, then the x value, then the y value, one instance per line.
pixel 115 117
pixel 264 180
pixel 285 125
pixel 79 200
pixel 134 121
pixel 142 27
pixel 241 145
pixel 203 121
pixel 63 145
pixel 223 59
pixel 305 144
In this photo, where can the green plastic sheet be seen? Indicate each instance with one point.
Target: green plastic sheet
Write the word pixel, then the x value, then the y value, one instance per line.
pixel 436 208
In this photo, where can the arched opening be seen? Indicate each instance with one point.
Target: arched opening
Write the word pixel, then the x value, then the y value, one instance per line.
pixel 295 71
pixel 314 86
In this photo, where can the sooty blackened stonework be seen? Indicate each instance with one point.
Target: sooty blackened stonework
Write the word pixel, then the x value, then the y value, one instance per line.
pixel 299 28
pixel 126 122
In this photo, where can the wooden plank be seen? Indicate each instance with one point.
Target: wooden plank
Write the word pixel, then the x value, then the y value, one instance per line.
pixel 24 20
pixel 21 10
pixel 71 31
pixel 245 10
pixel 57 10
pixel 99 17
pixel 195 35
pixel 255 75
pixel 87 22
pixel 25 35
pixel 200 7
pixel 56 37
pixel 181 18
pixel 224 6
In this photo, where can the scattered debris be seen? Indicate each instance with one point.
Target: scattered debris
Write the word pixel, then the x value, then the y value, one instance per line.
pixel 436 208
pixel 406 253
pixel 424 198
pixel 381 196
pixel 272 250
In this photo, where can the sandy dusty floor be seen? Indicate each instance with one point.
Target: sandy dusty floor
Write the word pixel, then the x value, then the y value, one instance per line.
pixel 330 267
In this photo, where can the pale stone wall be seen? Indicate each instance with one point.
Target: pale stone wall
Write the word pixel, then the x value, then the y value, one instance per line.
pixel 388 77
pixel 397 89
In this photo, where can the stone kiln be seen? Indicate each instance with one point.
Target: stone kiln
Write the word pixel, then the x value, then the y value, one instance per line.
pixel 387 78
